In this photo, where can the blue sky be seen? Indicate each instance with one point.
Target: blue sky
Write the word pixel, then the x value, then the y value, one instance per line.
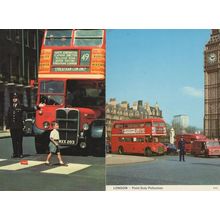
pixel 163 66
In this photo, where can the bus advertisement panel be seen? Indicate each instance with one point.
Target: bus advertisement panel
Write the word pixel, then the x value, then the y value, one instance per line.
pixel 71 84
pixel 141 136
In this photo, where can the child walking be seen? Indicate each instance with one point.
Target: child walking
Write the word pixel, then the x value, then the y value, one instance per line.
pixel 54 144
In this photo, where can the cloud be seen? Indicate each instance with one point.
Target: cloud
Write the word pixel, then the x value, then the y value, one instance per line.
pixel 188 90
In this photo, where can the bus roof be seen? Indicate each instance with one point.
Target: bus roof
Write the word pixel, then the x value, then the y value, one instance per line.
pixel 199 136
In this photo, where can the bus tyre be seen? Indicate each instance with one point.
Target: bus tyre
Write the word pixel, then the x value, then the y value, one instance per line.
pixel 148 152
pixel 120 150
pixel 41 144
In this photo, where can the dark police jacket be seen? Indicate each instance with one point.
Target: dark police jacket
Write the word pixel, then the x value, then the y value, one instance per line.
pixel 181 145
pixel 15 115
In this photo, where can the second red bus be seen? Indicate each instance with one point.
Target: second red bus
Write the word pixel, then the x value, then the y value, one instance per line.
pixel 141 136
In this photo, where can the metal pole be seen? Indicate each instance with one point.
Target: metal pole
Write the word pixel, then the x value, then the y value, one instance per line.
pixel 37 48
pixel 22 51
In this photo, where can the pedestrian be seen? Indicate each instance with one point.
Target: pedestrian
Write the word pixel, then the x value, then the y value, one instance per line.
pixel 54 144
pixel 14 122
pixel 181 147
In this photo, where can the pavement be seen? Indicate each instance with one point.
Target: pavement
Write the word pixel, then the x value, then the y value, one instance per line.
pixel 114 159
pixel 4 134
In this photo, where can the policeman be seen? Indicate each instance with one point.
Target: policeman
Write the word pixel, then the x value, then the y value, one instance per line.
pixel 181 146
pixel 15 123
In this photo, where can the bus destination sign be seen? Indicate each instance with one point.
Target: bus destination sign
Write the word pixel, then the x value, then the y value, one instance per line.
pixel 65 57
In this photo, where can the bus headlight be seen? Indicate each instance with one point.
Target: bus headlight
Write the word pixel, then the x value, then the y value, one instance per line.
pixel 40 112
pixel 85 126
pixel 46 124
pixel 83 145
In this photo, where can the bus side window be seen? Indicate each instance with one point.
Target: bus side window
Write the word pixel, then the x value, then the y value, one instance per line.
pixel 121 139
pixel 155 140
pixel 148 124
pixel 148 139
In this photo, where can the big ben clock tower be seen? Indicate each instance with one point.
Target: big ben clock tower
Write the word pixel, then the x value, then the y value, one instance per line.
pixel 212 85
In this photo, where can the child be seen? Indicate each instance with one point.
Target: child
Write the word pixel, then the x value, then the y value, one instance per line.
pixel 54 144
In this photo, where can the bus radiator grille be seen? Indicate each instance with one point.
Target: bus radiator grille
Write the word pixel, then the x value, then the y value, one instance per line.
pixel 68 125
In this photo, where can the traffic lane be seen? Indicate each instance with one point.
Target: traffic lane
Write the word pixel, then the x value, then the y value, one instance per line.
pixel 166 170
pixel 6 149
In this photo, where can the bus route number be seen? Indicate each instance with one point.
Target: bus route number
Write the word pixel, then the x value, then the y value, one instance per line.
pixel 85 57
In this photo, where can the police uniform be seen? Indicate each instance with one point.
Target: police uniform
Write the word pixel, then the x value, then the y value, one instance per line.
pixel 181 146
pixel 15 124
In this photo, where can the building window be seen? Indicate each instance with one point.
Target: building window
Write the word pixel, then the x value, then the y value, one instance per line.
pixel 9 34
pixel 26 37
pixel 35 70
pixel 27 71
pixel 32 38
pixel 18 36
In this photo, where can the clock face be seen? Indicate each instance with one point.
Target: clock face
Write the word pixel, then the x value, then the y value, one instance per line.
pixel 212 58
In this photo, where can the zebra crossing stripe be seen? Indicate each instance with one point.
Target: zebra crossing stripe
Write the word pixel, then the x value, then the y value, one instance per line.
pixel 71 168
pixel 18 166
pixel 2 160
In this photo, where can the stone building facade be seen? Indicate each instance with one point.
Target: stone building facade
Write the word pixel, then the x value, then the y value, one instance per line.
pixel 19 58
pixel 212 85
pixel 123 111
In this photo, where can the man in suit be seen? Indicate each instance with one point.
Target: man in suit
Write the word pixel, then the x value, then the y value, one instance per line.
pixel 15 123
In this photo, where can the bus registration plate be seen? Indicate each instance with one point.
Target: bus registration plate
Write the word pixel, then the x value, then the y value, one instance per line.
pixel 71 142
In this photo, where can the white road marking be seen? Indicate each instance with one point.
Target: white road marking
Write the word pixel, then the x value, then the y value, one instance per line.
pixel 18 166
pixel 2 160
pixel 71 168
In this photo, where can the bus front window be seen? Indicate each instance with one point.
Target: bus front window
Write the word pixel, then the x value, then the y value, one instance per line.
pixel 52 92
pixel 52 99
pixel 84 94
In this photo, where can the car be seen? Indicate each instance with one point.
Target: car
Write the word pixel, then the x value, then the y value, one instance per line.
pixel 97 137
pixel 207 148
pixel 171 149
pixel 108 147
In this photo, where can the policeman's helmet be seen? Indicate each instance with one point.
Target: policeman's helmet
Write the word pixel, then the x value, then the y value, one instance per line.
pixel 15 95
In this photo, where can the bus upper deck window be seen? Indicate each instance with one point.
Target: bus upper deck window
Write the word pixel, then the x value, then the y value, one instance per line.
pixel 88 37
pixel 58 38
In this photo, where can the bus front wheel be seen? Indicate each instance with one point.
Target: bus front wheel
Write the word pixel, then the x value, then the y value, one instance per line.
pixel 148 152
pixel 120 150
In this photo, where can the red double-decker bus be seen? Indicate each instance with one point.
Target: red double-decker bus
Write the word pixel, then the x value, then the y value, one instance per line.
pixel 141 136
pixel 71 84
pixel 189 139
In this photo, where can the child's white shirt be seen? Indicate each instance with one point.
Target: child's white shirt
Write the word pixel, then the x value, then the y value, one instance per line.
pixel 55 134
